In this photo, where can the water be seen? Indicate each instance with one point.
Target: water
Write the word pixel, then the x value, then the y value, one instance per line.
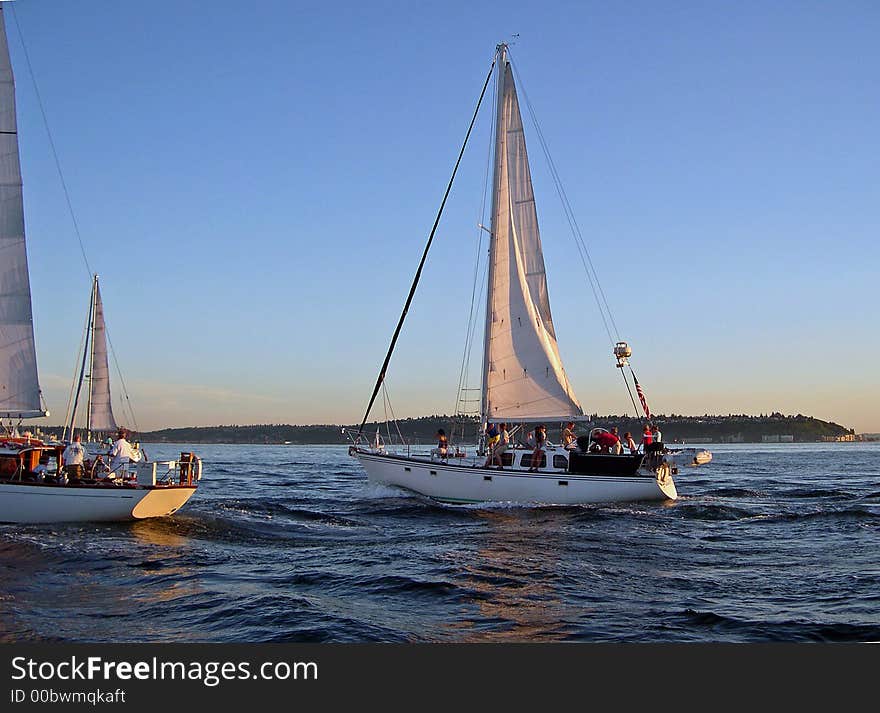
pixel 291 543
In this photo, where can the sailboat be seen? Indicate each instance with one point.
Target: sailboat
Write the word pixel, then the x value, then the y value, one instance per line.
pixel 35 484
pixel 523 378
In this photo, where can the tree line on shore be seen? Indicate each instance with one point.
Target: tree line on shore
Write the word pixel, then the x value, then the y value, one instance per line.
pixel 714 428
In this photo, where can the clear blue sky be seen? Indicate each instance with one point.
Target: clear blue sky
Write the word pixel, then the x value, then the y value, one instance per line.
pixel 255 183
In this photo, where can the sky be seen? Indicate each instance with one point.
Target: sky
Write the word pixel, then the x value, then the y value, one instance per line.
pixel 255 184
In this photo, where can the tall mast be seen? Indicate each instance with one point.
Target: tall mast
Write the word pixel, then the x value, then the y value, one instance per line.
pixel 82 371
pixel 501 57
pixel 92 310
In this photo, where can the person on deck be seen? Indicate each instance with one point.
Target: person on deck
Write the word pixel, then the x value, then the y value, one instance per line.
pixel 492 438
pixel 609 441
pixel 121 453
pixel 629 443
pixel 500 447
pixel 655 433
pixel 442 448
pixel 74 453
pixel 647 437
pixel 568 438
pixel 540 441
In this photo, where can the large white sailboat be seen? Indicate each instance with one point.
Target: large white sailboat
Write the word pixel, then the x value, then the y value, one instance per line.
pixel 523 378
pixel 35 484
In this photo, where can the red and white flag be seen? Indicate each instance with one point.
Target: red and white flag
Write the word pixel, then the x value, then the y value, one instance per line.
pixel 641 396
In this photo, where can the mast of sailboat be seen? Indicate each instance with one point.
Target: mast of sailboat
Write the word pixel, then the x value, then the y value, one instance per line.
pixel 90 326
pixel 93 311
pixel 501 65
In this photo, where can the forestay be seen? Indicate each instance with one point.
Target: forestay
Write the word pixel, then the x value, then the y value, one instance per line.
pixel 524 379
pixel 19 385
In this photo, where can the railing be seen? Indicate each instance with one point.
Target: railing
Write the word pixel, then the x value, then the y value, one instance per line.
pixel 184 472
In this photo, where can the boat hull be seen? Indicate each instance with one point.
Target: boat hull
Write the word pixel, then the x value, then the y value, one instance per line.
pixel 36 503
pixel 467 484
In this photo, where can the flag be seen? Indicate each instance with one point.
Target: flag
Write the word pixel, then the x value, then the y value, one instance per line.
pixel 641 396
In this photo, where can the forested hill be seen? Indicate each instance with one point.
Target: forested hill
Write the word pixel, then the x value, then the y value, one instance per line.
pixel 712 429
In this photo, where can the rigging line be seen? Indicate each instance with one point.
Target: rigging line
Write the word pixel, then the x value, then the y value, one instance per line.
pixel 390 409
pixel 418 274
pixel 121 381
pixel 463 377
pixel 631 397
pixel 393 415
pixel 473 329
pixel 68 415
pixel 82 371
pixel 51 142
pixel 572 220
pixel 592 275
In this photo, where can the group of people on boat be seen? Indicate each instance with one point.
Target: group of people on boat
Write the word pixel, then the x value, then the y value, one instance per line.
pixel 74 467
pixel 611 441
pixel 499 440
pixel 77 467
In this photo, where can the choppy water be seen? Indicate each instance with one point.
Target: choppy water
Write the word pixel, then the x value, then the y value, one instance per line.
pixel 291 543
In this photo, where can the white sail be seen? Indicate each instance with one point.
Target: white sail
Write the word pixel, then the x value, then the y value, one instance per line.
pixel 19 386
pixel 101 412
pixel 524 379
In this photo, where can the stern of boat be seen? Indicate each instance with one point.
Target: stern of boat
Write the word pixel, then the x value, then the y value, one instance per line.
pixel 161 502
pixel 665 481
pixel 171 484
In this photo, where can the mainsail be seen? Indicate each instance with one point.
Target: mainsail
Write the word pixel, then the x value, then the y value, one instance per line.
pixel 523 376
pixel 100 410
pixel 19 385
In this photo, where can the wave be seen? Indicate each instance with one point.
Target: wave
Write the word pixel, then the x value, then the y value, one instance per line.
pixel 785 630
pixel 816 493
pixel 735 493
pixel 713 512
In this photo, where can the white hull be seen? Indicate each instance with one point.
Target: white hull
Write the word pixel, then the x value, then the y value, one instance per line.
pixel 58 503
pixel 454 483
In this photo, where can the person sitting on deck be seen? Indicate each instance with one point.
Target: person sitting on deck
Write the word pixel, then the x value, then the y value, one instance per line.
pixel 41 470
pixel 500 447
pixel 492 438
pixel 629 443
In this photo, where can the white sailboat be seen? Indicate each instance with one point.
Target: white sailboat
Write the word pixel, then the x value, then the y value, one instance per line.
pixel 34 486
pixel 523 379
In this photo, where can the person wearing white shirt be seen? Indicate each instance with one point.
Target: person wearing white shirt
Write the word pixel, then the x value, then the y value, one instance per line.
pixel 120 454
pixel 74 453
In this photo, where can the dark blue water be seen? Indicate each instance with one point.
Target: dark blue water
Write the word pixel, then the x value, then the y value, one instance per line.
pixel 291 543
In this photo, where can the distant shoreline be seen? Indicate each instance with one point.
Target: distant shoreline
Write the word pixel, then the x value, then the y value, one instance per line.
pixel 687 430
pixel 690 430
